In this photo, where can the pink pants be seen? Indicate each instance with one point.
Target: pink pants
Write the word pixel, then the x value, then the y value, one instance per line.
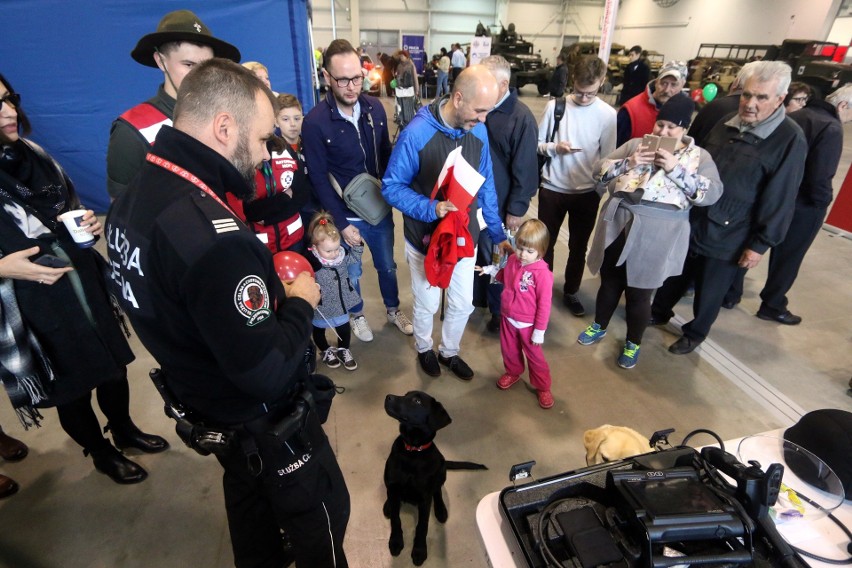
pixel 515 343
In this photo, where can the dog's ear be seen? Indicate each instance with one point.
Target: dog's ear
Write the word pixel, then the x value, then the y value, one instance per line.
pixel 592 440
pixel 438 417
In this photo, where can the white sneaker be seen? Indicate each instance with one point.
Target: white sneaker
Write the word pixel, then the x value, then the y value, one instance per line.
pixel 348 360
pixel 329 357
pixel 401 322
pixel 361 329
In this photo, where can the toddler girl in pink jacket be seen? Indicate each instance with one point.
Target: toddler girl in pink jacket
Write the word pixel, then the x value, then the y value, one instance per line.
pixel 525 309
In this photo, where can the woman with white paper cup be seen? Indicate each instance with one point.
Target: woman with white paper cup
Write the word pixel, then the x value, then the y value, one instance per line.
pixel 59 336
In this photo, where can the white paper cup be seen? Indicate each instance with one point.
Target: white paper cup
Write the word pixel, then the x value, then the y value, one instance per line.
pixel 72 220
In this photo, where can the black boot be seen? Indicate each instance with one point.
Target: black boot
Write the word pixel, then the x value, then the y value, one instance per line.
pixel 109 461
pixel 127 435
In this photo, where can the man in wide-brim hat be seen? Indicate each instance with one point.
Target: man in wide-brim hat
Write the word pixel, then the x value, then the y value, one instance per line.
pixel 180 42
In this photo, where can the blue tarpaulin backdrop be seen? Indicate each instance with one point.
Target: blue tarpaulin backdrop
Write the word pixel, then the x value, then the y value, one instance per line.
pixel 71 63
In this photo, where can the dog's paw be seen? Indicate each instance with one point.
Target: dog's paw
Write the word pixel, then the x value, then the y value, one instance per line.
pixel 441 512
pixel 396 544
pixel 418 555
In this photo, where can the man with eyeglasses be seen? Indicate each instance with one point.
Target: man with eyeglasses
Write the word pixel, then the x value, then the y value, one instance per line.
pixel 585 135
pixel 344 135
pixel 180 42
pixel 637 116
pixel 760 153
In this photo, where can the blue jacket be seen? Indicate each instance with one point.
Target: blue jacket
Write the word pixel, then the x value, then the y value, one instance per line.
pixel 414 168
pixel 333 144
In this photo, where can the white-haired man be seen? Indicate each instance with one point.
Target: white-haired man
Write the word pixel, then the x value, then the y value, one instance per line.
pixel 760 154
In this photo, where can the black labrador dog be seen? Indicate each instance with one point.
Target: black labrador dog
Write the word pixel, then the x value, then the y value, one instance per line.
pixel 415 470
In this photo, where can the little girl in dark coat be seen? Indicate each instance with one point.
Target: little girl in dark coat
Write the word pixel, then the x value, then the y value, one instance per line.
pixel 331 266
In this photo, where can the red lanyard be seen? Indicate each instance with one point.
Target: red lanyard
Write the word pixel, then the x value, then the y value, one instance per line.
pixel 191 178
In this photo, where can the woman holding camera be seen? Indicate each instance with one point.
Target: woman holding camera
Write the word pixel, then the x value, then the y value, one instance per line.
pixel 642 234
pixel 59 336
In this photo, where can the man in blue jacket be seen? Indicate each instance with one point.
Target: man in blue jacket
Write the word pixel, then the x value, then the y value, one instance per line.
pixel 513 138
pixel 415 165
pixel 346 134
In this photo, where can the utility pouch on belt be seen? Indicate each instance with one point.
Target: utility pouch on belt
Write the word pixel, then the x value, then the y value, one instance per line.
pixel 195 435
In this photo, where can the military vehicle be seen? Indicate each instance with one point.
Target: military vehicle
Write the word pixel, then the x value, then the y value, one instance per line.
pixel 812 63
pixel 527 65
pixel 719 63
pixel 618 60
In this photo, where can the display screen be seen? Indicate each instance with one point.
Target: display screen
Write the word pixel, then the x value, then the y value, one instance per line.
pixel 673 496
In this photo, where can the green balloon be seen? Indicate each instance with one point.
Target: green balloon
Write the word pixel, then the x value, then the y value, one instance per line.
pixel 393 83
pixel 709 92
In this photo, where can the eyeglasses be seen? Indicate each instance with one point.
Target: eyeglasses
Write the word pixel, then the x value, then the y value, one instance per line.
pixel 12 98
pixel 800 100
pixel 344 81
pixel 589 95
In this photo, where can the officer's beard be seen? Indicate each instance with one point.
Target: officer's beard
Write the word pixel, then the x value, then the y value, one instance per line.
pixel 243 162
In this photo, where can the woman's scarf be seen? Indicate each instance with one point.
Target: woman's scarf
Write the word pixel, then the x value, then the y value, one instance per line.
pixel 27 176
pixel 24 369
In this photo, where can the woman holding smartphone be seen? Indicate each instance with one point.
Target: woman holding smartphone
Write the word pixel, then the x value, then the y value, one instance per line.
pixel 59 336
pixel 642 233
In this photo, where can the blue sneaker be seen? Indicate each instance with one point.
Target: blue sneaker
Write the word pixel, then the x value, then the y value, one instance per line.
pixel 630 356
pixel 591 334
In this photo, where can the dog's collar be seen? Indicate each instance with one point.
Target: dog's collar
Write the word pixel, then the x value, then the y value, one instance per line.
pixel 410 448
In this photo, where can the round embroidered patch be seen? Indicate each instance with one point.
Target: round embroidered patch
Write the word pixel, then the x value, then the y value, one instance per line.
pixel 252 299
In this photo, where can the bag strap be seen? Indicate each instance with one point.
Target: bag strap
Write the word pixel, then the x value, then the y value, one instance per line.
pixel 558 113
pixel 335 185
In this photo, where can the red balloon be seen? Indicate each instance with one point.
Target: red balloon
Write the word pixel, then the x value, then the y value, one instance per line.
pixel 289 265
pixel 697 95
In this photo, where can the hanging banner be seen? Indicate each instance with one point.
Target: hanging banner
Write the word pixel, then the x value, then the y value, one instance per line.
pixel 413 44
pixel 480 48
pixel 607 28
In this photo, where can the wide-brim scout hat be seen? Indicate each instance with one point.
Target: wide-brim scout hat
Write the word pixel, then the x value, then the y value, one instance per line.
pixel 181 25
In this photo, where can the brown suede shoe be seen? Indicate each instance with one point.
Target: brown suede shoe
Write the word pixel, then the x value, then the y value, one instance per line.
pixel 7 486
pixel 12 449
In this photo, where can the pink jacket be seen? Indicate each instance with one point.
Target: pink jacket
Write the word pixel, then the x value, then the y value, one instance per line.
pixel 527 292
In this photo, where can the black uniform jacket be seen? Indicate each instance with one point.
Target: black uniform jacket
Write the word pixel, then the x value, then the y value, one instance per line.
pixel 201 289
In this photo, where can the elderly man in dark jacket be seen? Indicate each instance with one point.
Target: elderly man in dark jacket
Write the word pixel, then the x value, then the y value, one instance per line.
pixel 822 123
pixel 760 154
pixel 512 135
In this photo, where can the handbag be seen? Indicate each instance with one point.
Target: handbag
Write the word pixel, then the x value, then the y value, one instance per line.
pixel 363 195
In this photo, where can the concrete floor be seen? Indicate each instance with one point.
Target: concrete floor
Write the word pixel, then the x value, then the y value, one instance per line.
pixel 751 376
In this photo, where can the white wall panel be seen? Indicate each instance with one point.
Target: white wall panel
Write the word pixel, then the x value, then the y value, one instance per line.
pixel 676 31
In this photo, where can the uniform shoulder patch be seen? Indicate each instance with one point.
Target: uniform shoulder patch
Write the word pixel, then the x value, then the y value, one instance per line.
pixel 225 225
pixel 252 300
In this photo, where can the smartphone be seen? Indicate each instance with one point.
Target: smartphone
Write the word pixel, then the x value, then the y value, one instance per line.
pixel 651 142
pixel 667 143
pixel 51 261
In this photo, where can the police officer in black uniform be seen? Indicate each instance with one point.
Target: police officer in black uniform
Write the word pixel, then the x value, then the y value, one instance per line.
pixel 203 295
